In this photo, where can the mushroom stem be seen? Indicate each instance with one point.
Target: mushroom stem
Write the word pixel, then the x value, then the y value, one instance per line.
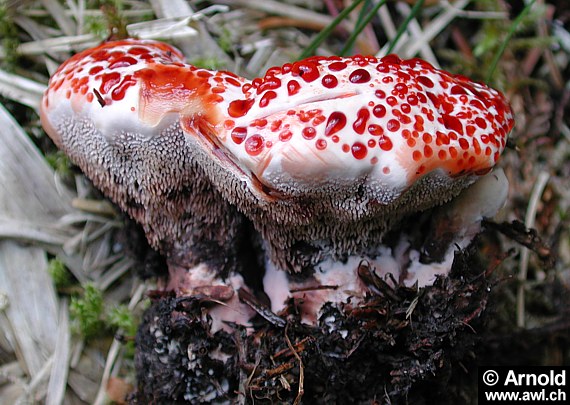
pixel 454 225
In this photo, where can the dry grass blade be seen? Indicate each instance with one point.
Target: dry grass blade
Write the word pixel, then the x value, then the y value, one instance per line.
pixel 29 201
pixel 435 26
pixel 28 182
pixel 416 34
pixel 60 367
pixel 17 88
pixel 56 10
pixel 31 312
pixel 282 9
pixel 529 223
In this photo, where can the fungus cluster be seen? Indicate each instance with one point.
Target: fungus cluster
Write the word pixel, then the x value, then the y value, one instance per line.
pixel 324 156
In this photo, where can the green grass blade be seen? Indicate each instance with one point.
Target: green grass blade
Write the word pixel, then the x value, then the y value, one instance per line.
pixel 310 50
pixel 510 33
pixel 362 23
pixel 415 10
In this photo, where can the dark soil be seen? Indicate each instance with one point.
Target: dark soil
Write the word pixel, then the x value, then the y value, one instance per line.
pixel 401 346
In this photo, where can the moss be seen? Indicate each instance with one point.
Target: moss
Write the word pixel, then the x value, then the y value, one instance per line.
pixel 59 161
pixel 10 40
pixel 92 318
pixel 59 273
pixel 121 318
pixel 87 312
pixel 207 63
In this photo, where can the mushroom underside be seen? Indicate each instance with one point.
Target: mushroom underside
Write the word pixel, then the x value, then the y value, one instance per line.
pixel 156 182
pixel 332 222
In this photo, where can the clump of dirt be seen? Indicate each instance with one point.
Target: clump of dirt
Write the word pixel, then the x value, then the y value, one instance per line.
pixel 399 345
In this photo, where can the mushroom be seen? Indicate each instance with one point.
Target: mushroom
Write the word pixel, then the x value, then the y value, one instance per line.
pixel 327 154
pixel 115 111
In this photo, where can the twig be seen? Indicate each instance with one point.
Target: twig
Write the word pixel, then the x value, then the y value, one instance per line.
pixel 301 369
pixel 529 223
pixel 247 298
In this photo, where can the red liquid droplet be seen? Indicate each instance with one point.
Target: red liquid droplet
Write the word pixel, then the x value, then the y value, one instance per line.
pixel 452 123
pixel 329 81
pixel 266 98
pixel 380 94
pixel 375 130
pixel 426 81
pixel 308 71
pixel 254 145
pixel 401 88
pixel 124 61
pixel 412 99
pixel 293 87
pixel 359 150
pixel 392 59
pixel 239 108
pixel 118 93
pixel 95 70
pixel 337 66
pixel 271 83
pixel 361 119
pixel 284 136
pixel 379 111
pixel 385 143
pixel 359 76
pixel 239 134
pixel 393 125
pixel 321 144
pixel 108 80
pixel 335 123
pixel 309 133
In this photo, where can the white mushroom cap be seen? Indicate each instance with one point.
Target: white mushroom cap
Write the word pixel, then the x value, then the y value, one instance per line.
pixel 326 123
pixel 115 110
pixel 331 151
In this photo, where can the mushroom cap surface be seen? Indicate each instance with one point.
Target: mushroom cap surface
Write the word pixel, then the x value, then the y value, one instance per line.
pixel 131 85
pixel 326 123
pixel 114 110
